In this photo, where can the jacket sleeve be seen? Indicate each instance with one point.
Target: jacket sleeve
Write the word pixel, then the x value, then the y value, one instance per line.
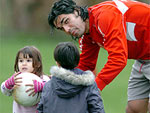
pixel 94 100
pixel 5 91
pixel 112 25
pixel 40 104
pixel 89 53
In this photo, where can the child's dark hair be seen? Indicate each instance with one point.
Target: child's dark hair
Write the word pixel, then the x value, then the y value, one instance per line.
pixel 67 55
pixel 66 7
pixel 33 53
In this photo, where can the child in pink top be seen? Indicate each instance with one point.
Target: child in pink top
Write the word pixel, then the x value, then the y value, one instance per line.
pixel 28 59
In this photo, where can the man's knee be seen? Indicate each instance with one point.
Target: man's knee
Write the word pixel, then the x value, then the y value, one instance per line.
pixel 130 109
pixel 137 106
pixel 149 107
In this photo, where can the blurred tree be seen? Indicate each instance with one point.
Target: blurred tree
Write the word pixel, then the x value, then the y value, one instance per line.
pixel 30 15
pixel 24 15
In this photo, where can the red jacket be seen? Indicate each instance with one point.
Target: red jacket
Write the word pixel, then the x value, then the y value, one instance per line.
pixel 122 28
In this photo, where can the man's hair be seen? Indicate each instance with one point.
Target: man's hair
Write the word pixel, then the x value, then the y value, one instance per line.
pixel 65 7
pixel 67 55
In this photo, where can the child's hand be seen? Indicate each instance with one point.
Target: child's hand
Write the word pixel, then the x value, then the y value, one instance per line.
pixel 35 87
pixel 10 82
pixel 31 89
pixel 17 80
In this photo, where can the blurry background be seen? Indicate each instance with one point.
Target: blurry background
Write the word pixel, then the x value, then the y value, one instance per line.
pixel 24 22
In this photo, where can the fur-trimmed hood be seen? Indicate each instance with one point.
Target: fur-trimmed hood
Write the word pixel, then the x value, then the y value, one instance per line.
pixel 67 83
pixel 75 76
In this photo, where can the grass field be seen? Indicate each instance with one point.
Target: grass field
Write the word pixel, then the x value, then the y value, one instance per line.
pixel 114 95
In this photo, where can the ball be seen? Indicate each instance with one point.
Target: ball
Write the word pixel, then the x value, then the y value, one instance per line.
pixel 19 92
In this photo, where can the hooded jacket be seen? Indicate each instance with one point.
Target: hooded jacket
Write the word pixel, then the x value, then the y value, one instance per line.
pixel 70 91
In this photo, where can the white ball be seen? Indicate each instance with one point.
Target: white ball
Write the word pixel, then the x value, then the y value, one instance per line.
pixel 19 92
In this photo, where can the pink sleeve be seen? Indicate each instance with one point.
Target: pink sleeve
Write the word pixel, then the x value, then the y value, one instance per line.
pixel 38 86
pixel 10 82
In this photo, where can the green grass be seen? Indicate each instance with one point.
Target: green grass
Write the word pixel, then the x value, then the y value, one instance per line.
pixel 114 95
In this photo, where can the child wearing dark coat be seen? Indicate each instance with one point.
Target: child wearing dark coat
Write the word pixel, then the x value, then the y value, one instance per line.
pixel 70 89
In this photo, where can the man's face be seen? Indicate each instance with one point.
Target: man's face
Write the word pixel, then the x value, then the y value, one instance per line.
pixel 71 24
